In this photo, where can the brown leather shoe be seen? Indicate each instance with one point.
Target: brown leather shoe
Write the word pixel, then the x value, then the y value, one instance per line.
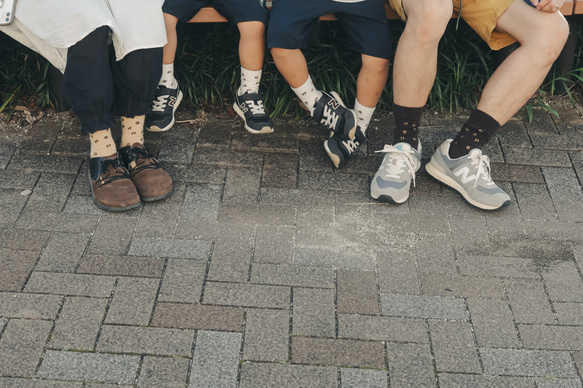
pixel 151 180
pixel 111 185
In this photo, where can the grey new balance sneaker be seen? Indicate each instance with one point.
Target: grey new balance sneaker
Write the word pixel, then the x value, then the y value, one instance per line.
pixel 393 179
pixel 469 175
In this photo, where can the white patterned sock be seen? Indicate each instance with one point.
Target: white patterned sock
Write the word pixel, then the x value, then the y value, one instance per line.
pixel 308 94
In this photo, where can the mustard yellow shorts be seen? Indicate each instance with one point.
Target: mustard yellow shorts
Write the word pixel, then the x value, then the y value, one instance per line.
pixel 481 15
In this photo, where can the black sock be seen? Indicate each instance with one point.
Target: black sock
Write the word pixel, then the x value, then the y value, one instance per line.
pixel 407 124
pixel 475 133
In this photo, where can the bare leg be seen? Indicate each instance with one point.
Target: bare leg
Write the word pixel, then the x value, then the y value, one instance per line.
pixel 170 47
pixel 415 64
pixel 542 36
pixel 292 65
pixel 252 45
pixel 372 79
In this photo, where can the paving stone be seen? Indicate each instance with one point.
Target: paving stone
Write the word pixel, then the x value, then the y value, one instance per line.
pixel 10 382
pixel 518 362
pixel 96 367
pixel 578 357
pixel 359 378
pixel 462 286
pixel 198 317
pixel 529 302
pixel 46 163
pixel 167 372
pixel 175 248
pixel 357 292
pixel 374 328
pixel 70 284
pixel 266 335
pixel 242 186
pixel 226 157
pixel 8 146
pixel 178 145
pixel 497 266
pixel 410 365
pixel 463 233
pixel 301 198
pixel 21 346
pixel 335 258
pixel 274 245
pixel 145 340
pixel 159 219
pixel 551 337
pixel 63 252
pixel 288 275
pixel 332 181
pixel 257 215
pixel 143 267
pixel 314 312
pixel 230 261
pixel 280 170
pixel 537 157
pixel 454 347
pixel 216 359
pixel 341 352
pixel 554 230
pixel 569 313
pixel 133 301
pixel 435 255
pixel 28 240
pixel 451 380
pixel 565 192
pixel 112 236
pixel 247 295
pixel 493 323
pixel 78 324
pixel 50 192
pixel 563 282
pixel 255 374
pixel 15 267
pixel 397 272
pixel 431 307
pixel 517 174
pixel 183 281
pixel 201 202
pixel 11 204
pixel 553 382
pixel 29 306
pixel 534 201
pixel 57 222
pixel 421 224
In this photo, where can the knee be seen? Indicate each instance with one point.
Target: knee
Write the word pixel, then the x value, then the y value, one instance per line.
pixel 279 54
pixel 252 30
pixel 550 39
pixel 375 65
pixel 427 20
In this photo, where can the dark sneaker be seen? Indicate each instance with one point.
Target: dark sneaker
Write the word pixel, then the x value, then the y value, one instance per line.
pixel 111 186
pixel 469 175
pixel 165 103
pixel 152 181
pixel 331 112
pixel 249 107
pixel 392 181
pixel 340 150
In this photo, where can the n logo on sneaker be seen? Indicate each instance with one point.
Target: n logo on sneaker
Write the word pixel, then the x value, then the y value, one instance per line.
pixel 463 173
pixel 334 104
pixel 172 101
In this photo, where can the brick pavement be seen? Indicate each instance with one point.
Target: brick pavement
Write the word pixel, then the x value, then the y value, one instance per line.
pixel 268 268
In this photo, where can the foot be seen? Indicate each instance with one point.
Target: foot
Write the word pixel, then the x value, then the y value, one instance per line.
pixel 392 181
pixel 331 112
pixel 111 186
pixel 469 175
pixel 165 103
pixel 340 150
pixel 152 181
pixel 249 107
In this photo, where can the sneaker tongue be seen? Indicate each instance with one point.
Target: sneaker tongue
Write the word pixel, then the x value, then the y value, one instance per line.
pixel 403 146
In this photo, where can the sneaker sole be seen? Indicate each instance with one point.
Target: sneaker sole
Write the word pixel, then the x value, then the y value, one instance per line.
pixel 155 128
pixel 437 173
pixel 248 128
pixel 388 199
pixel 109 208
pixel 335 159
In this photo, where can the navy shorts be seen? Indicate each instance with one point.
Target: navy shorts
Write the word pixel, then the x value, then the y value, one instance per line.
pixel 292 23
pixel 236 11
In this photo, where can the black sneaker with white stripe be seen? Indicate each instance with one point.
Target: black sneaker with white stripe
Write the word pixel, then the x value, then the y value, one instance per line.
pixel 249 106
pixel 331 112
pixel 339 150
pixel 166 101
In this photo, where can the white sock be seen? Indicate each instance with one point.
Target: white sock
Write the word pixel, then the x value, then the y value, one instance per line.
pixel 308 94
pixel 102 144
pixel 363 115
pixel 132 130
pixel 250 80
pixel 167 78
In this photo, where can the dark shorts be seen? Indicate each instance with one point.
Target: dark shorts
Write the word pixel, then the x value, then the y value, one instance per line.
pixel 236 11
pixel 292 23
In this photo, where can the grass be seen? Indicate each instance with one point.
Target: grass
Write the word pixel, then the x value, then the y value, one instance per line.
pixel 207 67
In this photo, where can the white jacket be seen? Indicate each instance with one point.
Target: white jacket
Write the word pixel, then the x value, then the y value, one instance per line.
pixel 50 27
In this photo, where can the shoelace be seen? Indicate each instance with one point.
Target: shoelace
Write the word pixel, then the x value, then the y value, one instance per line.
pixel 330 119
pixel 107 176
pixel 160 103
pixel 351 145
pixel 144 155
pixel 397 161
pixel 483 163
